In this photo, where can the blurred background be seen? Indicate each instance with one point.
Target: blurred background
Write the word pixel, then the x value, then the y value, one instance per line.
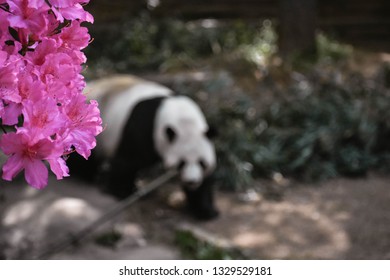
pixel 300 94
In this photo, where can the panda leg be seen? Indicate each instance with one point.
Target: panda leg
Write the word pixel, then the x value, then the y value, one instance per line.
pixel 200 201
pixel 121 179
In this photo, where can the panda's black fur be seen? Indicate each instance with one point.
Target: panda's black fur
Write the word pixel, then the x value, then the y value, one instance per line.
pixel 136 151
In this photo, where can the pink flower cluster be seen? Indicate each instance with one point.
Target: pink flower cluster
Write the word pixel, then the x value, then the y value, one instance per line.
pixel 44 114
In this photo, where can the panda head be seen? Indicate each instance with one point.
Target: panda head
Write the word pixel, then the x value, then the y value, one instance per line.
pixel 183 140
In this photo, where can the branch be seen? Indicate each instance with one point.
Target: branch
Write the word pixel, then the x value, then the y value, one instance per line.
pixel 122 205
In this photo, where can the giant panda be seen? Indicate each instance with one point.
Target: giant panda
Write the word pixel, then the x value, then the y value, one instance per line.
pixel 146 123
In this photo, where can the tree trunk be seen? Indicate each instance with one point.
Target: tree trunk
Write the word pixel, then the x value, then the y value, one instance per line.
pixel 297 27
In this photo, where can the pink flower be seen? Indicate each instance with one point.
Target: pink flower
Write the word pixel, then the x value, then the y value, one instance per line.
pixel 8 83
pixel 46 47
pixel 58 66
pixel 67 3
pixel 3 26
pixel 9 96
pixel 85 125
pixel 29 15
pixel 27 155
pixel 3 57
pixel 75 37
pixel 41 87
pixel 70 10
pixel 30 88
pixel 42 118
pixel 11 113
pixel 59 168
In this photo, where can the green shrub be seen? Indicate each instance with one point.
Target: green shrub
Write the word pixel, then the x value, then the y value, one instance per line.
pixel 193 247
pixel 329 49
pixel 314 129
pixel 143 43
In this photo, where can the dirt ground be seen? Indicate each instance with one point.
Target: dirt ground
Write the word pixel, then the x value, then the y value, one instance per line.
pixel 338 219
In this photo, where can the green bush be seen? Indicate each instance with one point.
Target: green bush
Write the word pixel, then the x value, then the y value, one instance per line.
pixel 144 43
pixel 331 50
pixel 316 128
pixel 195 248
pixel 330 132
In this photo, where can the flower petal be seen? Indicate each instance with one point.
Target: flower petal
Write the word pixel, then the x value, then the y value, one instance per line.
pixel 36 173
pixel 11 143
pixel 59 167
pixel 12 167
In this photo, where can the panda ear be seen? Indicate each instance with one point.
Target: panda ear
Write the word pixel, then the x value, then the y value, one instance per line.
pixel 211 133
pixel 170 133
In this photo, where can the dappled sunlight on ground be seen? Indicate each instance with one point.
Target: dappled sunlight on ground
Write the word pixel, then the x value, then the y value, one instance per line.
pixel 286 230
pixel 341 218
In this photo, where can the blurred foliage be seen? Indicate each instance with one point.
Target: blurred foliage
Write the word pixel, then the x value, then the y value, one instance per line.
pixel 108 239
pixel 326 131
pixel 197 249
pixel 329 129
pixel 329 49
pixel 143 43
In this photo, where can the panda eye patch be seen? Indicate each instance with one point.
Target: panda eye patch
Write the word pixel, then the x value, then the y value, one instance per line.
pixel 181 165
pixel 170 133
pixel 203 164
